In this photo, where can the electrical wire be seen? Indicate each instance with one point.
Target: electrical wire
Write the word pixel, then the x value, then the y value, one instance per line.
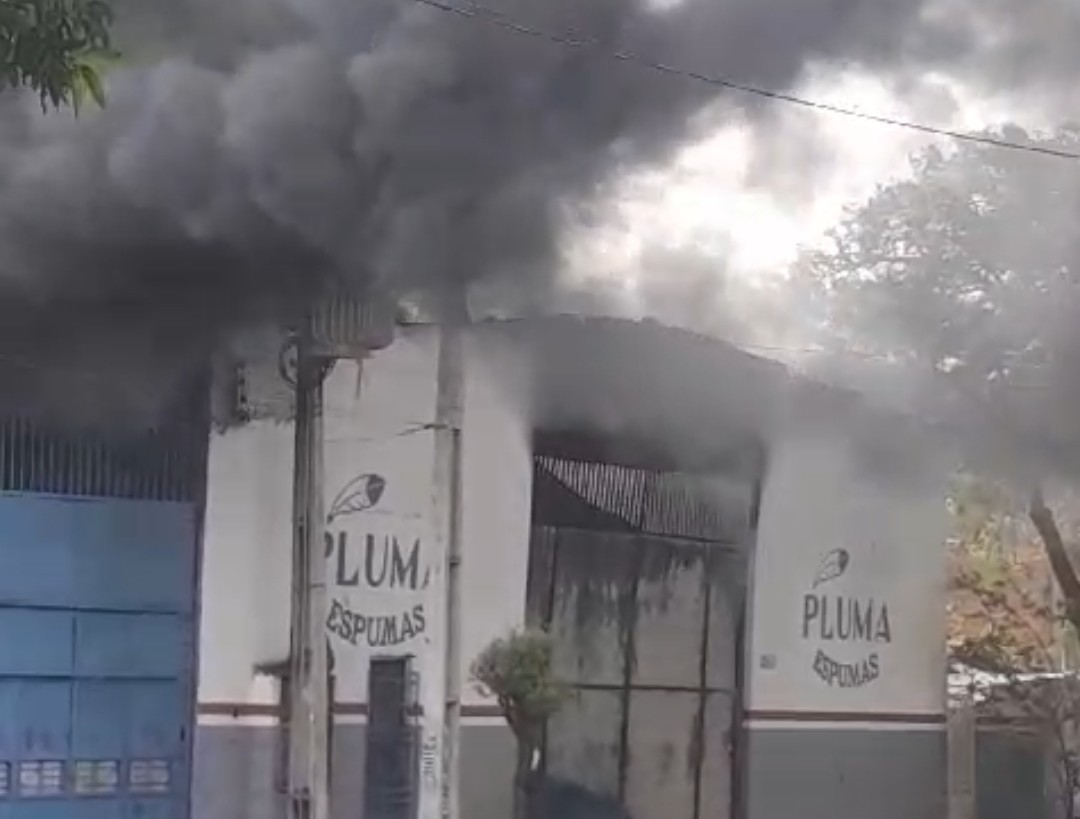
pixel 473 11
pixel 105 378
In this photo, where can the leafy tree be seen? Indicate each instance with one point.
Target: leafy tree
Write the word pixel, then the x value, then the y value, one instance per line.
pixel 968 273
pixel 1002 614
pixel 1004 625
pixel 56 48
pixel 517 670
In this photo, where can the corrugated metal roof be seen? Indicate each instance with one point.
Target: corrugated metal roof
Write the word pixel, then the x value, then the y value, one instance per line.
pixel 706 507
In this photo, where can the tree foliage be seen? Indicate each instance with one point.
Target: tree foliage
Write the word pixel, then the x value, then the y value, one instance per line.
pixel 971 266
pixel 969 271
pixel 1007 630
pixel 1003 615
pixel 517 670
pixel 56 48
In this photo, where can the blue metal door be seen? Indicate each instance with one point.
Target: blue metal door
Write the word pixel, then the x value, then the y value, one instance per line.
pixel 96 657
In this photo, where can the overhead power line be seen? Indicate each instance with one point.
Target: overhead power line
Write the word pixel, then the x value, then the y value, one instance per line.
pixel 473 11
pixel 98 377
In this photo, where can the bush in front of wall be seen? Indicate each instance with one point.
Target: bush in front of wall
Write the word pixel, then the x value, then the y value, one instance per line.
pixel 517 671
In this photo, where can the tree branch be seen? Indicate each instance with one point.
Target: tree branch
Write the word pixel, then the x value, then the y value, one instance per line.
pixel 1064 571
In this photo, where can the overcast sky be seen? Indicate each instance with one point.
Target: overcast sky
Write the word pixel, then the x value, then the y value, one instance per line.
pixel 718 205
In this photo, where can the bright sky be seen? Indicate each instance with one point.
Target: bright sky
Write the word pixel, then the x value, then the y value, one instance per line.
pixel 753 227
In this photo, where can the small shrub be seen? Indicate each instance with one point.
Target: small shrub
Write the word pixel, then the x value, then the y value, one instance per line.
pixel 517 671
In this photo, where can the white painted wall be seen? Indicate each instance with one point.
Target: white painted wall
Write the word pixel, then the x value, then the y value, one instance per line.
pixel 378 428
pixel 246 563
pixel 821 495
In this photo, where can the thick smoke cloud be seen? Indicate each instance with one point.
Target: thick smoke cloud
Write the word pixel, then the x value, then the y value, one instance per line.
pixel 252 147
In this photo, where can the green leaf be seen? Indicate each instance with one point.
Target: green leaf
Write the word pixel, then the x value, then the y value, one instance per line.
pixel 91 79
pixel 56 48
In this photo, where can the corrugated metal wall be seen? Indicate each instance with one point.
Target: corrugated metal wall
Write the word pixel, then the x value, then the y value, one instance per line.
pixel 152 464
pixel 639 574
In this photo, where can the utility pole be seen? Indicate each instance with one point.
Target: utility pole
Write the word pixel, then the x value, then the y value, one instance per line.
pixel 309 728
pixel 450 403
pixel 340 325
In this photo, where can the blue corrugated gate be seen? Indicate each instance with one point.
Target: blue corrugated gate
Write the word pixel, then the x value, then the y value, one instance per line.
pixel 98 560
pixel 96 630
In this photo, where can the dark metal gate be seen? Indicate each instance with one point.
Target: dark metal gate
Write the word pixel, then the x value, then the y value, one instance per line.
pixel 391 761
pixel 639 575
pixel 1011 775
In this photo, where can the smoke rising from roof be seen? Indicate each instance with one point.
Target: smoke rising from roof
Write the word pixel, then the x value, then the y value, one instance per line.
pixel 252 147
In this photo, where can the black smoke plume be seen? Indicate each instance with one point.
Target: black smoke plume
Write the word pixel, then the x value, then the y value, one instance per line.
pixel 252 148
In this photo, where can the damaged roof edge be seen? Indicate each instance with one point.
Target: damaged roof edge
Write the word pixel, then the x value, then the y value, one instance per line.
pixel 640 380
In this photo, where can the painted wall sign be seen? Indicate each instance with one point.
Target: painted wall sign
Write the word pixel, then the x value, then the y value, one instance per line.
pixel 377 423
pixel 383 572
pixel 849 584
pixel 369 553
pixel 844 625
pixel 377 631
pixel 430 760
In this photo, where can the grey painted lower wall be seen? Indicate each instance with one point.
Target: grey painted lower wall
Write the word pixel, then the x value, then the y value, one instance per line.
pixel 845 774
pixel 234 773
pixel 791 774
pixel 237 767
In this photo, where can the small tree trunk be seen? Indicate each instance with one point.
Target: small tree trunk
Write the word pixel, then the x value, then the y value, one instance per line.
pixel 523 780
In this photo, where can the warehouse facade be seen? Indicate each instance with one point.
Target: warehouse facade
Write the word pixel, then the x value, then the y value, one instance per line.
pixel 742 573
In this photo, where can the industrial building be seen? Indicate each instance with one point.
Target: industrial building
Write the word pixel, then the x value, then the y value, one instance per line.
pixel 742 573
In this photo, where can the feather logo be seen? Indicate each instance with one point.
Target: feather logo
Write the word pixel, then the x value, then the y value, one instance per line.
pixel 834 565
pixel 362 492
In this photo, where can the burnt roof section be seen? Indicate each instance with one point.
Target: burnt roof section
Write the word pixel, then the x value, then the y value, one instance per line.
pixel 641 394
pixel 634 377
pixel 635 393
